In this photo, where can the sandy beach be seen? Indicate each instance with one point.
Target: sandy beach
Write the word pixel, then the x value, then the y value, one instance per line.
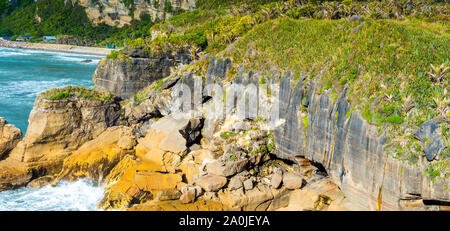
pixel 56 48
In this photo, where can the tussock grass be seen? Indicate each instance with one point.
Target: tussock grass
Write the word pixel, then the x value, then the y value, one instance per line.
pixel 76 92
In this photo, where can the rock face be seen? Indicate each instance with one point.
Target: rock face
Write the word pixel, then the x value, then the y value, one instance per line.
pixel 96 158
pixel 9 137
pixel 116 13
pixel 126 76
pixel 351 150
pixel 58 127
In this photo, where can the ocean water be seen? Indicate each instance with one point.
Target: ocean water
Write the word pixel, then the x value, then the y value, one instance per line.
pixel 26 73
pixel 23 75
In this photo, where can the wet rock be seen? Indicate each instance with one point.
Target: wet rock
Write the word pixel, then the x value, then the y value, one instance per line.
pixel 211 183
pixel 41 182
pixel 292 180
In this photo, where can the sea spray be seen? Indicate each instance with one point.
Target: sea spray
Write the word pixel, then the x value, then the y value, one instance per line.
pixel 81 195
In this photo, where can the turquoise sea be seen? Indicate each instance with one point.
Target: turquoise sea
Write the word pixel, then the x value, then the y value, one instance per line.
pixel 23 75
pixel 26 73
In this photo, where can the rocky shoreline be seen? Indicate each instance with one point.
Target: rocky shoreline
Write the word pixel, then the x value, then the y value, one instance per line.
pixel 98 51
pixel 319 155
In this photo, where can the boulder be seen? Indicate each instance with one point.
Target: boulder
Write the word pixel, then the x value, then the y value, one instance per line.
pixel 180 131
pixel 292 180
pixel 9 137
pixel 211 183
pixel 276 179
pixel 226 169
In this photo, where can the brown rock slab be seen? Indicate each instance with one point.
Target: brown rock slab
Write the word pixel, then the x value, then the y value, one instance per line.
pixel 211 183
pixel 229 168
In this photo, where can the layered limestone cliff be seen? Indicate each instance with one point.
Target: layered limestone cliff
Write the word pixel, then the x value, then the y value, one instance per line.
pixel 120 12
pixel 125 76
pixel 353 153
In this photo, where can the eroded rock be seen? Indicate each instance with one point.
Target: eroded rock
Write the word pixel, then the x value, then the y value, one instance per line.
pixel 9 137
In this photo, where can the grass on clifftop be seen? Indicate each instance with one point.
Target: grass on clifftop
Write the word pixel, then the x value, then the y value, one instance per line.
pixel 76 92
pixel 394 69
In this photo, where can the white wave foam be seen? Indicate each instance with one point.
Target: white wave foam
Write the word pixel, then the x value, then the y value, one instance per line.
pixel 12 53
pixel 81 195
pixel 71 57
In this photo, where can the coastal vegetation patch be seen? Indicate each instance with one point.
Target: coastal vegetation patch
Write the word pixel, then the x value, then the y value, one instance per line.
pixel 76 92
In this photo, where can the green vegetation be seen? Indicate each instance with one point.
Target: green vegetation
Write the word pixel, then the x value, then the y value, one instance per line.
pixel 226 135
pixel 76 92
pixel 58 18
